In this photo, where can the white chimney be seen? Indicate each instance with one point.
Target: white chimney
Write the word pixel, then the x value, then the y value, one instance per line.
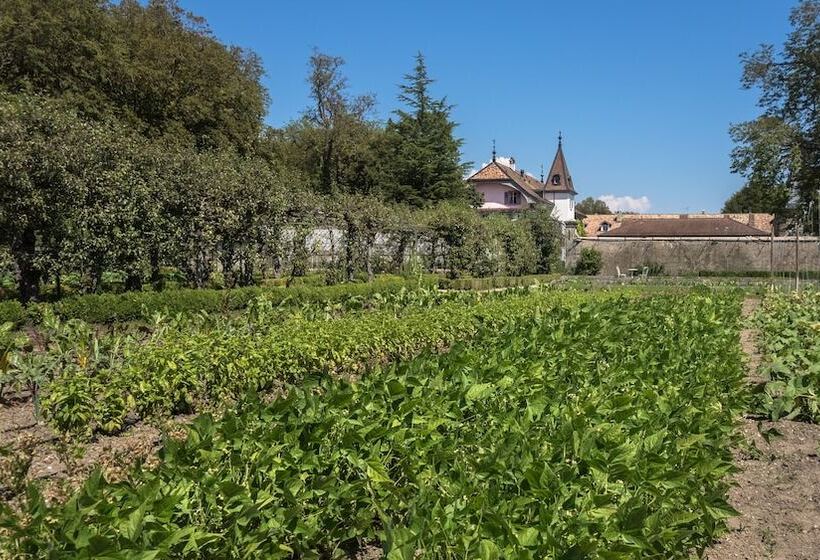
pixel 508 161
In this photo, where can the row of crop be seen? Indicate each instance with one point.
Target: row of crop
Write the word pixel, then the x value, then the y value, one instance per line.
pixel 599 431
pixel 59 348
pixel 129 306
pixel 789 342
pixel 184 370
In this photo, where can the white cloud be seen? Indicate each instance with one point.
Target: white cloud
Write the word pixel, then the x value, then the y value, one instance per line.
pixel 626 203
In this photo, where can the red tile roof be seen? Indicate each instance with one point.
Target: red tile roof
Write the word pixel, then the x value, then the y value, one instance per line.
pixel 682 227
pixel 495 171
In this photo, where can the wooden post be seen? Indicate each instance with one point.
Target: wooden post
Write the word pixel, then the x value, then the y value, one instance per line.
pixel 797 258
pixel 771 256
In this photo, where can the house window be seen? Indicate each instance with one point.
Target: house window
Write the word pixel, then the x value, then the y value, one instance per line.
pixel 512 197
pixel 604 227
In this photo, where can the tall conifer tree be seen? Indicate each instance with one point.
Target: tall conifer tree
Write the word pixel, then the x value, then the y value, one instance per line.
pixel 424 157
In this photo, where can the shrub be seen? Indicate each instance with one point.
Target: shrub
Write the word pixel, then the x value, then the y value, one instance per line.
pixel 589 262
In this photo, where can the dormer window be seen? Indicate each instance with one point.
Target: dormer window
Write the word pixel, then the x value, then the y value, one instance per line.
pixel 556 179
pixel 604 226
pixel 512 198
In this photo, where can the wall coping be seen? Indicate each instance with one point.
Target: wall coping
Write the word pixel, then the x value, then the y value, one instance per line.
pixel 766 238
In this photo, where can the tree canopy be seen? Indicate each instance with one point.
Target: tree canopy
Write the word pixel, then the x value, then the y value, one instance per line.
pixel 592 206
pixel 423 155
pixel 155 67
pixel 779 152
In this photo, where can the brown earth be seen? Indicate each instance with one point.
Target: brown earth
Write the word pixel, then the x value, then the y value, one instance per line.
pixel 35 452
pixel 777 490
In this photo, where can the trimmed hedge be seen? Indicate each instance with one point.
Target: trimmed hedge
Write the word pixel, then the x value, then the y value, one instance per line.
pixel 492 282
pixel 809 274
pixel 111 308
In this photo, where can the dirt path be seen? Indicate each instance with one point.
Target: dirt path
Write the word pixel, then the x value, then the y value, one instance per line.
pixel 777 490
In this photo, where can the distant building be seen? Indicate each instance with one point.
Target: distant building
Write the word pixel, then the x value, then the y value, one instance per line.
pixel 505 188
pixel 677 225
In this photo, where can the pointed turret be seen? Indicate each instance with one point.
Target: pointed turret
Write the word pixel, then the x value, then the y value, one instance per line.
pixel 559 179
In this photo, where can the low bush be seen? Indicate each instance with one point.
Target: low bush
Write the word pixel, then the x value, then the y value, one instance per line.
pixel 12 312
pixel 789 343
pixel 182 370
pixel 589 262
pixel 492 282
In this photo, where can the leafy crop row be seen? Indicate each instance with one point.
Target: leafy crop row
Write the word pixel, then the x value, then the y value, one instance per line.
pixel 183 370
pixel 789 342
pixel 598 431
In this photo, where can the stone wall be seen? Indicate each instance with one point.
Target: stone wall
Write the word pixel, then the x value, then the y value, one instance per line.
pixel 690 255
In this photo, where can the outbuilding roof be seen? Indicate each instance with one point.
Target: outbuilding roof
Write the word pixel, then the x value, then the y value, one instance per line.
pixel 683 227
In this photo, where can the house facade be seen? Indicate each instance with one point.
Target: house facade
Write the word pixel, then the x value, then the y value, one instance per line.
pixel 503 187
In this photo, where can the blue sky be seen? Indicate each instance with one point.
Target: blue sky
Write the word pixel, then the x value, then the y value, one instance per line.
pixel 644 91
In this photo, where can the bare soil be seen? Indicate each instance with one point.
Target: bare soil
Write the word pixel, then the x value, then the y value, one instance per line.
pixel 35 452
pixel 777 490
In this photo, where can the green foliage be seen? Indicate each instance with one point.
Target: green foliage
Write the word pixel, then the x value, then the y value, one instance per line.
pixel 546 235
pixel 767 156
pixel 578 431
pixel 12 312
pixel 789 342
pixel 779 152
pixel 592 206
pixel 181 369
pixel 491 282
pixel 129 306
pixel 88 53
pixel 515 247
pixel 589 262
pixel 423 157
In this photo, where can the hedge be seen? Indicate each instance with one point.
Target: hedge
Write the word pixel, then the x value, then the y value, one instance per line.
pixel 492 282
pixel 130 306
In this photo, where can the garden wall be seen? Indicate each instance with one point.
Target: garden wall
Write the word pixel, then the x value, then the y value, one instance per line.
pixel 682 255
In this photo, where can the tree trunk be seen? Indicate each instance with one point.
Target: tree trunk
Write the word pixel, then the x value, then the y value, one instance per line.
pixel 156 275
pixel 349 241
pixel 133 282
pixel 30 274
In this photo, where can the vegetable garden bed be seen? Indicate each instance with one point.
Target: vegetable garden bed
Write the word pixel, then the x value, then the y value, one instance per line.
pixel 600 430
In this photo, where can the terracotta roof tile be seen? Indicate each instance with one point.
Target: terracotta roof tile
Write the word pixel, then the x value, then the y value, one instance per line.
pixel 495 171
pixel 682 227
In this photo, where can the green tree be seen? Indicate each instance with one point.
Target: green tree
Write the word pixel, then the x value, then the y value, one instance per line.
pixel 592 206
pixel 154 66
pixel 589 262
pixel 40 183
pixel 333 142
pixel 781 149
pixel 422 155
pixel 546 237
